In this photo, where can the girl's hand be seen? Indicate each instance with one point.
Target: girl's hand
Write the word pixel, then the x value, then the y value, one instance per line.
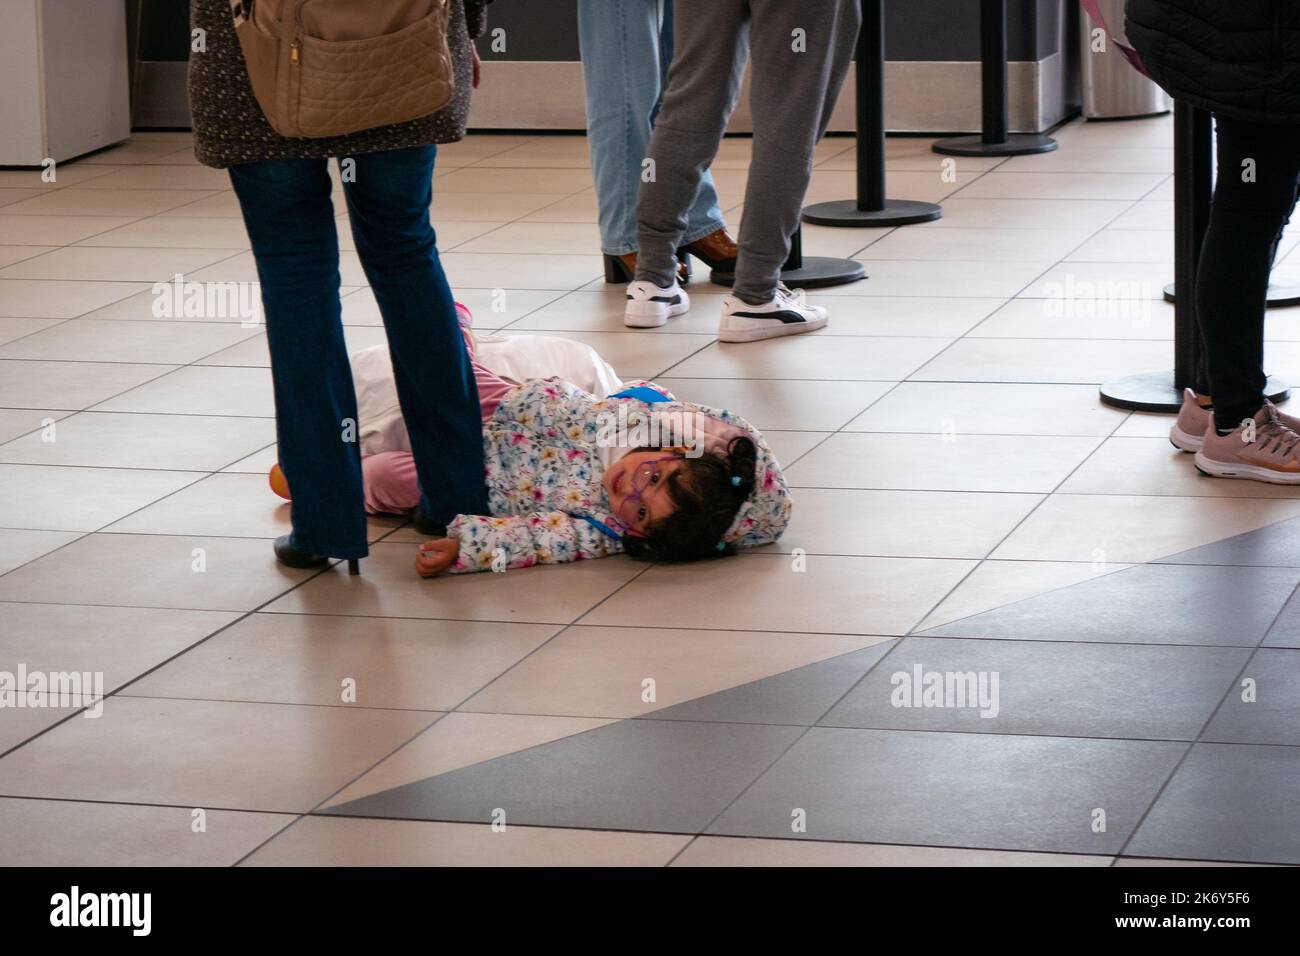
pixel 478 64
pixel 437 556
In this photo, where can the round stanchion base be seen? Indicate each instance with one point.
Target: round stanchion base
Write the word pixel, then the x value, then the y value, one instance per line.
pixel 1155 392
pixel 816 272
pixel 897 212
pixel 1281 295
pixel 1017 144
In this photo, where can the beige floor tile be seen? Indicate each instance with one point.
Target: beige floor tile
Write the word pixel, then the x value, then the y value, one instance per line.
pixel 790 446
pixel 1079 158
pixel 998 583
pixel 1152 466
pixel 56 230
pixel 201 390
pixel 170 343
pixel 905 524
pixel 107 264
pixel 601 671
pixel 241 267
pixel 389 587
pixel 459 740
pixel 989 408
pixel 574 238
pixel 158 177
pixel 934 277
pixel 1062 185
pixel 65 174
pixel 478 180
pixel 1126 245
pixel 831 184
pixel 68 833
pixel 579 207
pixel 17 546
pixel 46 299
pixel 816 356
pixel 116 440
pixel 140 306
pixel 10 196
pixel 258 463
pixel 267 757
pixel 527 271
pixel 119 644
pixel 1135 529
pixel 137 151
pixel 1074 214
pixel 322 841
pixel 640 354
pixel 20 421
pixel 221 205
pixel 106 202
pixel 301 659
pixel 491 308
pixel 889 595
pixel 781 403
pixel 53 498
pixel 75 385
pixel 1091 317
pixel 16 254
pixel 1064 361
pixel 1108 281
pixel 999 463
pixel 1147 133
pixel 253 353
pixel 1144 861
pixel 1148 214
pixel 740 851
pixel 1004 245
pixel 931 316
pixel 1146 425
pixel 134 570
pixel 490 207
pixel 237 506
pixel 177 232
pixel 15 328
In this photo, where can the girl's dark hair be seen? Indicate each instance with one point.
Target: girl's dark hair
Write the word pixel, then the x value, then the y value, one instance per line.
pixel 708 490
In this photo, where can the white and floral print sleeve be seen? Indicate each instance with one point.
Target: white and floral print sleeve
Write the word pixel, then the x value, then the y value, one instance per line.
pixel 519 541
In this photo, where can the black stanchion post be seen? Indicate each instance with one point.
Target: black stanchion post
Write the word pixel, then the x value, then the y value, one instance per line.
pixel 994 140
pixel 871 208
pixel 1193 186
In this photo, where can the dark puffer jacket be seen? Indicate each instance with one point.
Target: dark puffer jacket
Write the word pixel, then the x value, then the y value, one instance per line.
pixel 1240 58
pixel 230 128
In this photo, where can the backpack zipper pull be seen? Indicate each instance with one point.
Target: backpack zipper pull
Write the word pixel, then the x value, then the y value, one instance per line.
pixel 293 52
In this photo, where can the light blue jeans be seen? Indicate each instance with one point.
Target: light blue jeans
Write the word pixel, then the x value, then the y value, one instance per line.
pixel 626 46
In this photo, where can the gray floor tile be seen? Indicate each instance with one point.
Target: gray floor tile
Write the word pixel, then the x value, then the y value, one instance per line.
pixel 1081 690
pixel 796 697
pixel 971 790
pixel 1275 546
pixel 1285 631
pixel 661 775
pixel 1149 604
pixel 1227 802
pixel 1273 716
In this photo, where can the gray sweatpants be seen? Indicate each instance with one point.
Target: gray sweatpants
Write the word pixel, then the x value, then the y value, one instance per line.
pixel 799 53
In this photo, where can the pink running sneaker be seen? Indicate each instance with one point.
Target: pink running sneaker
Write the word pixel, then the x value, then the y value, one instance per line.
pixel 1265 449
pixel 1188 431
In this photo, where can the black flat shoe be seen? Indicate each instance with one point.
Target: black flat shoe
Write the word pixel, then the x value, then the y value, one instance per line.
pixel 291 557
pixel 426 525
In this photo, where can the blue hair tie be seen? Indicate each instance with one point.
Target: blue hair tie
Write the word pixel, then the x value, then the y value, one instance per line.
pixel 735 480
pixel 722 546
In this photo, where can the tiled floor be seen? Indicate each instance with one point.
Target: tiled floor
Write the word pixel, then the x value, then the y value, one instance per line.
pixel 964 505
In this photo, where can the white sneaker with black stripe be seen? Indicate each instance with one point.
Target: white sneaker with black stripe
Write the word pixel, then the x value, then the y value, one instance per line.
pixel 786 314
pixel 650 306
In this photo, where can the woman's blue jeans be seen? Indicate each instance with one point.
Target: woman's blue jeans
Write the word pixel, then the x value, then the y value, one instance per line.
pixel 290 221
pixel 626 46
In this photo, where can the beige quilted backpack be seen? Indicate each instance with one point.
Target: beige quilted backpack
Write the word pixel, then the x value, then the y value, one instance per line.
pixel 332 67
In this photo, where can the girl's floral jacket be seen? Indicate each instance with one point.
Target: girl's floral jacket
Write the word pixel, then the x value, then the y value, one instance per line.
pixel 544 477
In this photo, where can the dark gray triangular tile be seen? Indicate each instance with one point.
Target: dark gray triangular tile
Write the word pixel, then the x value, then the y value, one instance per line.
pixel 974 790
pixel 1276 546
pixel 659 775
pixel 797 697
pixel 1148 604
pixel 1285 631
pixel 1152 691
pixel 1227 802
pixel 1270 713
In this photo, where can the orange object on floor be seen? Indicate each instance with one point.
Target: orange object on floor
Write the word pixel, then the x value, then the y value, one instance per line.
pixel 277 482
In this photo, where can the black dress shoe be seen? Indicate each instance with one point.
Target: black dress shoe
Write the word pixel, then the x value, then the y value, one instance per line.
pixel 291 557
pixel 426 525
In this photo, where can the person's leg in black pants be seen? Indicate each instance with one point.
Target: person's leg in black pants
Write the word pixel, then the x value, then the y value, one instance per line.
pixel 1254 191
pixel 388 203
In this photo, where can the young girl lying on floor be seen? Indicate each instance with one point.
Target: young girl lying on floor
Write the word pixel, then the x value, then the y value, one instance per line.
pixel 578 465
